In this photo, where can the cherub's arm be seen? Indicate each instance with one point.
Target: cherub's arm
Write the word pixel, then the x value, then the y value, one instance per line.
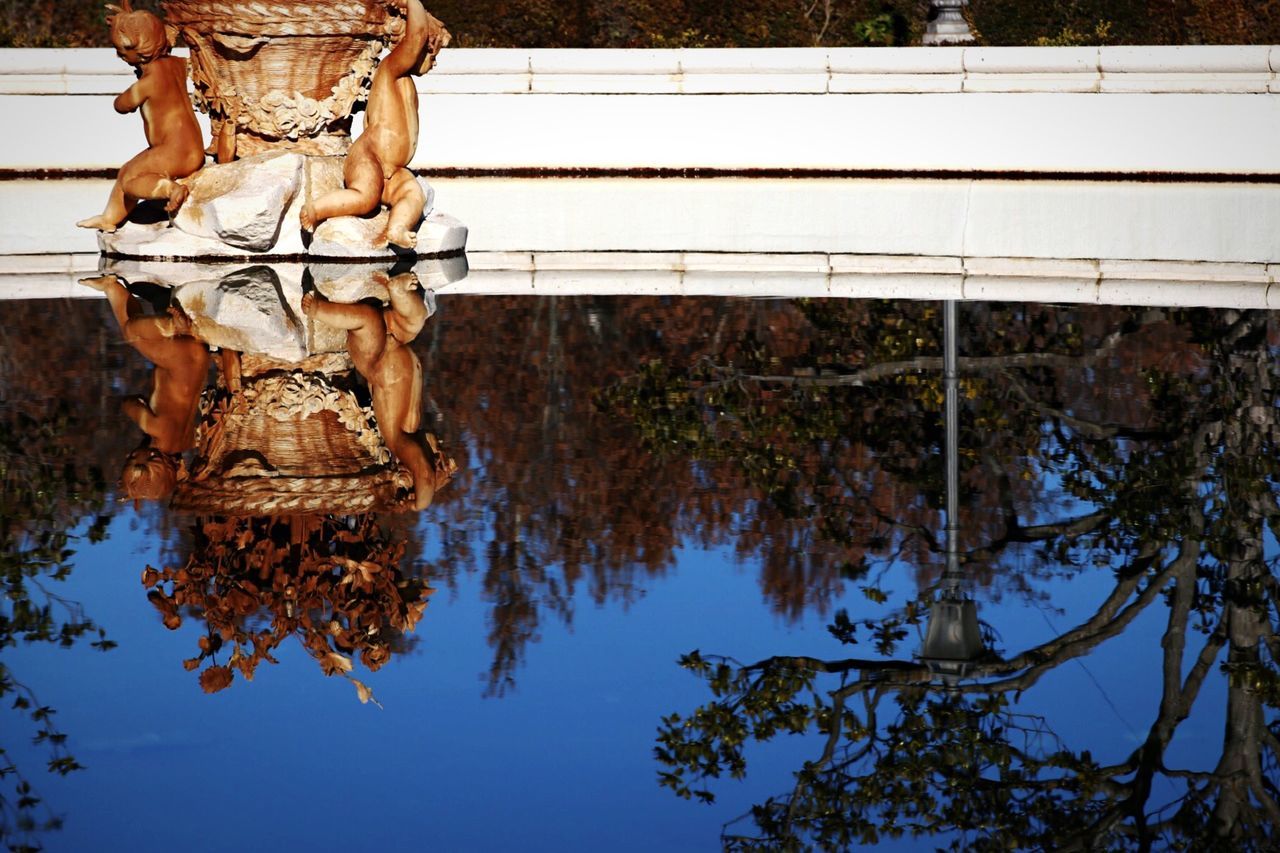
pixel 140 413
pixel 132 98
pixel 406 55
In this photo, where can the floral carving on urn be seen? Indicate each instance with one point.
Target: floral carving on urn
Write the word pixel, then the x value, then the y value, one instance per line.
pixel 283 74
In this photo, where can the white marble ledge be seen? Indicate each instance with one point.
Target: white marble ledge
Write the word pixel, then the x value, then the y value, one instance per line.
pixel 1208 69
pixel 787 276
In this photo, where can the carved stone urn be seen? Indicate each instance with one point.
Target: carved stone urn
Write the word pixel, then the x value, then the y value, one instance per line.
pixel 283 74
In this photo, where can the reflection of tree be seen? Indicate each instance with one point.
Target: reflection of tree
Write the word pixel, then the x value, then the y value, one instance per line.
pixel 1182 496
pixel 47 494
pixel 333 583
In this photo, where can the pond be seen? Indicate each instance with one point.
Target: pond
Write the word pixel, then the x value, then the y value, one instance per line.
pixel 689 588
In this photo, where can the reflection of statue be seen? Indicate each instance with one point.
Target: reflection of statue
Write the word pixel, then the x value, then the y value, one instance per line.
pixel 176 148
pixel 332 582
pixel 168 416
pixel 376 167
pixel 378 343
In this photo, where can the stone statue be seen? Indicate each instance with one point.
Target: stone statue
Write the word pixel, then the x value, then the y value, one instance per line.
pixel 176 147
pixel 378 341
pixel 376 170
pixel 168 416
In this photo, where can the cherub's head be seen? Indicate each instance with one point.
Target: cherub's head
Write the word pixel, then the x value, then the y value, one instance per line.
pixel 139 37
pixel 149 475
pixel 438 39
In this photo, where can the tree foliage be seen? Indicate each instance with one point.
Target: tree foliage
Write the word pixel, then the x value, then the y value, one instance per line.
pixel 751 23
pixel 1176 495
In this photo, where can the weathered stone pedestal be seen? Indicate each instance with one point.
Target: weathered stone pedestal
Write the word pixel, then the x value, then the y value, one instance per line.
pixel 250 209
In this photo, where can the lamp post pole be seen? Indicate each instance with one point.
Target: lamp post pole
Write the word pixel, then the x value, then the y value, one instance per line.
pixel 951 384
pixel 947 24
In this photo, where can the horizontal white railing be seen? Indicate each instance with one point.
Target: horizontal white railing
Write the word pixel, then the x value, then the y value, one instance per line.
pixel 1171 284
pixel 1168 111
pixel 701 71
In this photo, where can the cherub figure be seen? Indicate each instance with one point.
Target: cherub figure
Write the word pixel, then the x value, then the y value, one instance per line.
pixel 176 147
pixel 376 170
pixel 378 341
pixel 168 416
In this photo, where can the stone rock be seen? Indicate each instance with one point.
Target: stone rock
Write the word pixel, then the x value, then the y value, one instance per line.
pixel 247 311
pixel 360 236
pixel 250 210
pixel 243 204
pixel 258 309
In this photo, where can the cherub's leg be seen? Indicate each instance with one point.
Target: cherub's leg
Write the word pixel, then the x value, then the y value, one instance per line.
pixel 366 332
pixel 363 181
pixel 408 311
pixel 124 305
pixel 153 337
pixel 397 402
pixel 142 177
pixel 119 206
pixel 404 194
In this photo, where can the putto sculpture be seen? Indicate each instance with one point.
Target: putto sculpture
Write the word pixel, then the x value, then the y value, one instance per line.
pixel 376 170
pixel 175 145
pixel 280 81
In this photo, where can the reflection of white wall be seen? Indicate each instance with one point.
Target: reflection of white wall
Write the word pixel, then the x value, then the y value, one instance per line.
pixel 1129 110
pixel 1120 220
pixel 961 218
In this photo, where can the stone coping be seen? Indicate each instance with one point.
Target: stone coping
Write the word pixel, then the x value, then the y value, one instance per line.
pixel 1103 70
pixel 812 275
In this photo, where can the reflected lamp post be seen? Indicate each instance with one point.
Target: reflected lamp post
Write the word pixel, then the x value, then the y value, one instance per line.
pixel 947 24
pixel 953 638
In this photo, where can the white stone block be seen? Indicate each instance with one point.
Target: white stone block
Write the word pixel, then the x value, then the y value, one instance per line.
pixel 508 261
pixel 879 60
pixel 754 262
pixel 606 84
pixel 1016 289
pixel 895 83
pixel 1184 294
pixel 486 61
pixel 657 261
pixel 605 282
pixel 594 62
pixel 1033 82
pixel 753 84
pixel 1198 271
pixel 1031 60
pixel 35 84
pixel 1190 59
pixel 761 284
pixel 492 282
pixel 473 84
pixel 894 265
pixel 1195 83
pixel 764 60
pixel 108 85
pixel 1033 267
pixel 896 286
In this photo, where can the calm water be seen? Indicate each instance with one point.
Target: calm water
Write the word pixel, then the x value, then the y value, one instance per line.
pixel 759 481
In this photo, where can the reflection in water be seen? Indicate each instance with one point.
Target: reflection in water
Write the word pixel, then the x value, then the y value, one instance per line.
pixel 333 583
pixel 1128 451
pixel 167 416
pixel 289 459
pixel 1174 503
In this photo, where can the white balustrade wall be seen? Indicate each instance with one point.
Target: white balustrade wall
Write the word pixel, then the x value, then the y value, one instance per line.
pixel 1123 110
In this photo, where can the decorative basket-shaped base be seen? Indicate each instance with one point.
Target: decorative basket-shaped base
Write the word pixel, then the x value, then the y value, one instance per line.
pixel 293 440
pixel 288 73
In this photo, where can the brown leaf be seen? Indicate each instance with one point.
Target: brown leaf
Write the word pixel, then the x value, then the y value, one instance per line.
pixel 334 664
pixel 191 664
pixel 216 678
